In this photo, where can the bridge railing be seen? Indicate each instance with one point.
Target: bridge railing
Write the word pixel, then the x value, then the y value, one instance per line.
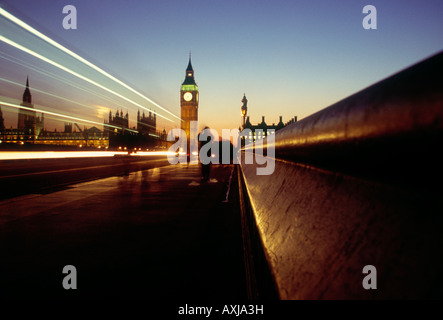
pixel 355 184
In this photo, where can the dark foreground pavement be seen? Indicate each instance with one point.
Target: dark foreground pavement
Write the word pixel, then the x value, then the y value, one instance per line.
pixel 152 234
pixel 20 177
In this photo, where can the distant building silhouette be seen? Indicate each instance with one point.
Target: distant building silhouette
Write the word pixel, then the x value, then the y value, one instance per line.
pixel 119 120
pixel 2 122
pixel 145 135
pixel 92 137
pixel 266 128
pixel 68 128
pixel 28 121
pixel 146 125
pixel 116 132
pixel 293 120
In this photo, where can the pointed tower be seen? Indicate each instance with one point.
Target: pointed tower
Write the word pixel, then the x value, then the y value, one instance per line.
pixel 27 98
pixel 2 121
pixel 189 99
pixel 26 118
pixel 244 110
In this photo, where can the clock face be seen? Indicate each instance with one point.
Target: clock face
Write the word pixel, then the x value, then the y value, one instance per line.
pixel 187 96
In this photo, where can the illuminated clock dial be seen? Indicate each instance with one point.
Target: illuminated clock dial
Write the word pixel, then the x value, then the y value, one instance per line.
pixel 187 96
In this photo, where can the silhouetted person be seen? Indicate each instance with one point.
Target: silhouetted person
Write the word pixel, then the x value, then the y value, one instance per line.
pixel 206 168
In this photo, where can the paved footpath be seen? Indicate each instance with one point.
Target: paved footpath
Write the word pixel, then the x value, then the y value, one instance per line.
pixel 152 234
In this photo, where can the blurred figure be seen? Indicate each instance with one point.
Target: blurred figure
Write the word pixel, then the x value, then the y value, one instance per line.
pixel 205 165
pixel 206 170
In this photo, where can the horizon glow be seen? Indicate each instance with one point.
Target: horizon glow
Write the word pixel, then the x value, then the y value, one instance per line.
pixel 290 58
pixel 23 155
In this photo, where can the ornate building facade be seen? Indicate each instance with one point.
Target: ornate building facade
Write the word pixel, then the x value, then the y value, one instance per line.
pixel 262 129
pixel 28 121
pixel 116 132
pixel 2 122
pixel 146 125
pixel 189 96
pixel 30 130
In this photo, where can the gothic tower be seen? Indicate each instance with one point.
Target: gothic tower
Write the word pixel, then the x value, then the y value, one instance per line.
pixel 189 100
pixel 2 121
pixel 26 117
pixel 28 121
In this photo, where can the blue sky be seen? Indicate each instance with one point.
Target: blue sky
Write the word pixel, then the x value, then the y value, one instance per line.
pixel 289 57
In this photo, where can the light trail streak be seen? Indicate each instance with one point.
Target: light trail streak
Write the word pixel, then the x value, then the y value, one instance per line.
pixel 6 155
pixel 47 93
pixel 35 32
pixel 58 78
pixel 153 153
pixel 61 115
pixel 10 155
pixel 55 64
pixel 145 124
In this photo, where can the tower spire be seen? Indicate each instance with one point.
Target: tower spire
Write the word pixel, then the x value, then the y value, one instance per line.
pixel 27 98
pixel 2 121
pixel 189 68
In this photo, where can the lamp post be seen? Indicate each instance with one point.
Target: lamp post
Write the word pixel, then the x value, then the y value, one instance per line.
pixel 244 110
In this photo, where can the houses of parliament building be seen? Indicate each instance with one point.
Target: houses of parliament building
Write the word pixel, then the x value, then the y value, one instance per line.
pixel 30 130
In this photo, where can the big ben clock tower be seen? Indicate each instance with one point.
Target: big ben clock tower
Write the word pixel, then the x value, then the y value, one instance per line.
pixel 189 100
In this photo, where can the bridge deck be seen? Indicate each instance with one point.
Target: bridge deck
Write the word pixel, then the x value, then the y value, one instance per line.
pixel 150 234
